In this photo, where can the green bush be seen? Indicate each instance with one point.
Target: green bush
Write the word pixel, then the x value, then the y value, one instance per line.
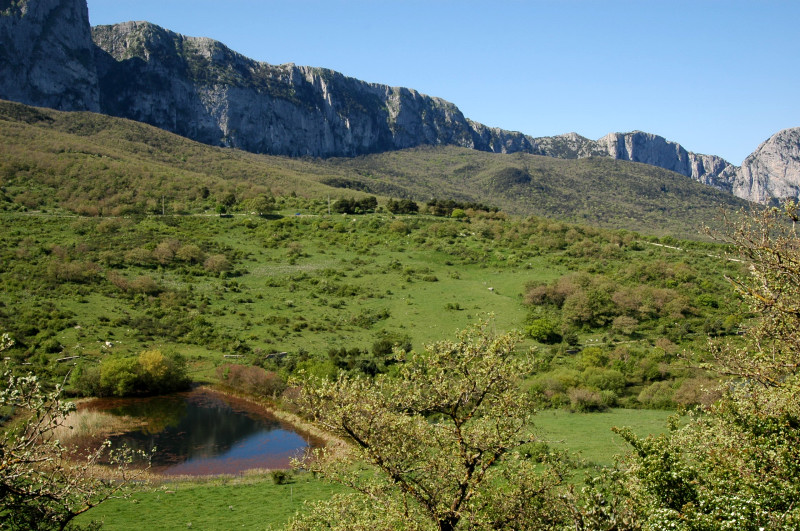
pixel 281 477
pixel 583 400
pixel 544 331
pixel 118 376
pixel 658 395
pixel 147 374
pixel 604 379
pixel 251 379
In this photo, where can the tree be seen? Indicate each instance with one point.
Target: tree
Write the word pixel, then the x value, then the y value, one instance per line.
pixel 737 464
pixel 544 331
pixel 443 439
pixel 42 483
pixel 262 204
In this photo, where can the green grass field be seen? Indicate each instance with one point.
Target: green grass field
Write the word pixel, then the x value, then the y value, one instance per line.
pixel 216 504
pixel 589 435
pixel 255 502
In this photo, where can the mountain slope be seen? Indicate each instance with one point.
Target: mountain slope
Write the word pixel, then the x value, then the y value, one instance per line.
pixel 596 190
pixel 99 165
pixel 201 89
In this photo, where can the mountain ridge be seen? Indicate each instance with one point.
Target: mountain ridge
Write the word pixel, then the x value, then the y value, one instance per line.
pixel 199 88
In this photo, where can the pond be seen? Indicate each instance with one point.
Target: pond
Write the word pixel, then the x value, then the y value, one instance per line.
pixel 202 432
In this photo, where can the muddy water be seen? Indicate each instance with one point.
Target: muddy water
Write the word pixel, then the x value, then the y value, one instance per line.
pixel 201 432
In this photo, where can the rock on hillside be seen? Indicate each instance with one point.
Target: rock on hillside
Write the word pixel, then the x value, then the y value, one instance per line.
pixel 46 54
pixel 568 146
pixel 772 170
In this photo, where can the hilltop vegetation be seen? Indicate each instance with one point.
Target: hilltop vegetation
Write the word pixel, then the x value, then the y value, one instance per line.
pixel 96 165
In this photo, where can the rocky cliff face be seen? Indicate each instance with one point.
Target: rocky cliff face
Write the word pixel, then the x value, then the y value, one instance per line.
pixel 773 170
pixel 201 89
pixel 198 88
pixel 652 149
pixel 46 54
pixel 568 146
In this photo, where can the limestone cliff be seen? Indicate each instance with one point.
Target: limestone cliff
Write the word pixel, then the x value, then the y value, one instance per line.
pixel 773 170
pixel 568 146
pixel 655 150
pixel 46 54
pixel 201 89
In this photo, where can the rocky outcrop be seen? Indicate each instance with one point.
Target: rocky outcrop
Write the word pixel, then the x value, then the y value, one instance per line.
pixel 568 146
pixel 655 150
pixel 46 54
pixel 773 170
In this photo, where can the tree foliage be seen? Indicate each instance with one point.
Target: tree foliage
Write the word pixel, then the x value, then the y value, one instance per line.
pixel 43 484
pixel 150 373
pixel 442 442
pixel 736 465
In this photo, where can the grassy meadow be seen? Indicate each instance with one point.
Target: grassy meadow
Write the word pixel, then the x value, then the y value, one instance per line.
pixel 113 245
pixel 283 293
pixel 255 501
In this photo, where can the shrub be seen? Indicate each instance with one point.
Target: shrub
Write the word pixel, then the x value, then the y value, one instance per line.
pixel 217 263
pixel 190 253
pixel 604 379
pixel 544 331
pixel 118 376
pixel 387 341
pixel 399 227
pixel 657 395
pixel 85 380
pixel 150 373
pixel 624 325
pixel 250 379
pixel 73 271
pixel 281 477
pixel 697 391
pixel 583 400
pixel 161 374
pixel 144 284
pixel 594 357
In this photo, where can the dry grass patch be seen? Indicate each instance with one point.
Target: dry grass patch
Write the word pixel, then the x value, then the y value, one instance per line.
pixel 88 424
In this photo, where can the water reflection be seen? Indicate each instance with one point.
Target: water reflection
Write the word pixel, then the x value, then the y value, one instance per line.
pixel 202 432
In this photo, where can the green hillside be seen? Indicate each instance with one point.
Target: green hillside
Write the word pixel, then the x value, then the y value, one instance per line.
pixel 97 165
pixel 598 191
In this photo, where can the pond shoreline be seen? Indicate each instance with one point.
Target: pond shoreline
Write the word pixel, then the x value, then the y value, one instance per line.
pixel 122 420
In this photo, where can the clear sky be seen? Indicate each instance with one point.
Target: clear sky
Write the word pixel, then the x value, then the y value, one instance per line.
pixel 719 77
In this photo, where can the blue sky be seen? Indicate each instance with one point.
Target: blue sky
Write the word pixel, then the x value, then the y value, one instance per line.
pixel 719 77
